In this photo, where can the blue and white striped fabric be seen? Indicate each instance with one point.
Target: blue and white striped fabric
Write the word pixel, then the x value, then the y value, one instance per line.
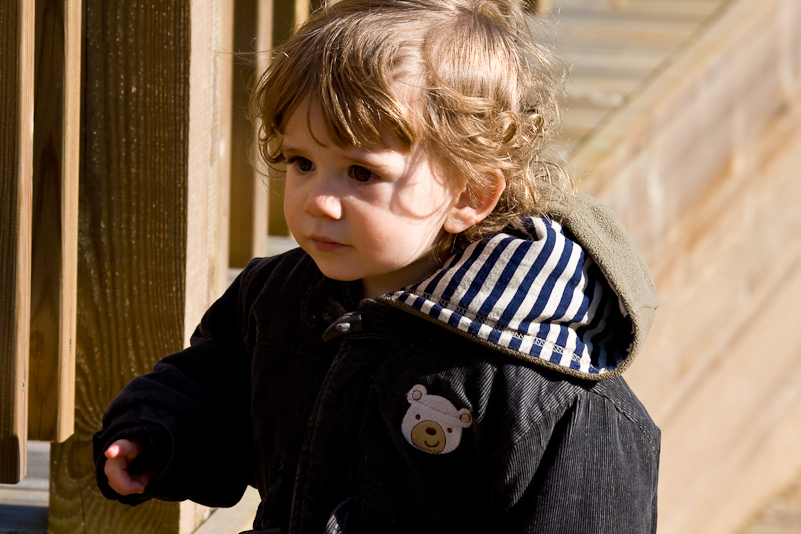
pixel 538 296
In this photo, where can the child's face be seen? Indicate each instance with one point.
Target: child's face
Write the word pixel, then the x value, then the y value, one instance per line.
pixel 373 214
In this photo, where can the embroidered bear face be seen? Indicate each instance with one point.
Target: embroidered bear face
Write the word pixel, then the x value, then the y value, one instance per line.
pixel 432 423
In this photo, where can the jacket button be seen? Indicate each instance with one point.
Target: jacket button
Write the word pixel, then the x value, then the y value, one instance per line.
pixel 343 328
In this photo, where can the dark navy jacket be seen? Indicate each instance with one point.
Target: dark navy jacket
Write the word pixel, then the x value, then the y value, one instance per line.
pixel 486 398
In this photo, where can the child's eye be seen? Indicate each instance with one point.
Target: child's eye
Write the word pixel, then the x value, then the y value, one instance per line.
pixel 301 164
pixel 362 175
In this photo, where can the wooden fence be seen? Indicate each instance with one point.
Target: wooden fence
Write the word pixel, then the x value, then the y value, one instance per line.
pixel 124 161
pixel 39 223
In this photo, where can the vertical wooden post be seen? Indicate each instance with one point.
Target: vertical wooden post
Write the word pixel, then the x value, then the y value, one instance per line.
pixel 248 191
pixel 224 62
pixel 148 228
pixel 55 223
pixel 256 210
pixel 287 15
pixel 207 137
pixel 16 152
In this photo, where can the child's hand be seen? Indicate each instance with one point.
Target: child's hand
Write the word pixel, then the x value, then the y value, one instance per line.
pixel 119 456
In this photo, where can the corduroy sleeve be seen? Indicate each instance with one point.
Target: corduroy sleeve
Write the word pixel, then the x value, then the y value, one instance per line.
pixel 596 472
pixel 191 415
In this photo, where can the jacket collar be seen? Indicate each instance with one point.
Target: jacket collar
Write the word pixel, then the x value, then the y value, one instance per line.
pixel 532 293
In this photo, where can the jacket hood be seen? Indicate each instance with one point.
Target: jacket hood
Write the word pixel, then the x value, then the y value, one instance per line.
pixel 569 292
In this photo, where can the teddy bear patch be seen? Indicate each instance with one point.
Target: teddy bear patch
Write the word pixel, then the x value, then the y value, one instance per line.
pixel 432 423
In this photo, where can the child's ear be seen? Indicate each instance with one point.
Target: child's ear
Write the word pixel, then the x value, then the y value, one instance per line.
pixel 471 209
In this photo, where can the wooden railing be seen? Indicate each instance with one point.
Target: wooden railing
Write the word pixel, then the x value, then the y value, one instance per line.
pixel 123 153
pixel 41 78
pixel 16 199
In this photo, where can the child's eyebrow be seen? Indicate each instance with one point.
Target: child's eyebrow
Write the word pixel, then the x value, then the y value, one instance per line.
pixel 292 148
pixel 369 158
pixel 287 149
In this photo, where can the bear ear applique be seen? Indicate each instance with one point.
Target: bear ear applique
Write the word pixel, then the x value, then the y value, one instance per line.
pixel 416 393
pixel 432 423
pixel 465 417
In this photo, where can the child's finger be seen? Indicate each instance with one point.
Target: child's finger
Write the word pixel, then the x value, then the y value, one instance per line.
pixel 113 451
pixel 120 480
pixel 123 448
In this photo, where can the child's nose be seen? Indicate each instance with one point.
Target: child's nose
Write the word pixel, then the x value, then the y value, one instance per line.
pixel 322 200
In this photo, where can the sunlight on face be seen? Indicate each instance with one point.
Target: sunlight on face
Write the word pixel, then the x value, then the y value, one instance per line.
pixel 370 214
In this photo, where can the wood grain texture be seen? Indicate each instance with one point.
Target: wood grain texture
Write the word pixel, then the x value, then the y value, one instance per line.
pixel 134 257
pixel 55 225
pixel 16 152
pixel 719 372
pixel 70 179
pixel 685 123
pixel 701 163
pixel 205 273
pixel 224 66
pixel 204 270
pixel 612 49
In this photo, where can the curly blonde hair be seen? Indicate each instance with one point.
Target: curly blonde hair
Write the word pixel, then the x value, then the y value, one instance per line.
pixel 485 91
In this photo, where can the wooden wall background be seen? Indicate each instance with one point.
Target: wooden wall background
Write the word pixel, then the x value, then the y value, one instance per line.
pixel 117 158
pixel 702 165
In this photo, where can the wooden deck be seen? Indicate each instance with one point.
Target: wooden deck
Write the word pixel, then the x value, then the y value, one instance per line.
pixel 613 49
pixel 24 505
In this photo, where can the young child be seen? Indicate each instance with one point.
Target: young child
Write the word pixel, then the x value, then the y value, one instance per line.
pixel 443 351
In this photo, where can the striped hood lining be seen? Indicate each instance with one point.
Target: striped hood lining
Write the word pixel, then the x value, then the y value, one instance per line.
pixel 533 293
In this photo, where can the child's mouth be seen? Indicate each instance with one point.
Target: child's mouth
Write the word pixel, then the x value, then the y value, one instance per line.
pixel 325 245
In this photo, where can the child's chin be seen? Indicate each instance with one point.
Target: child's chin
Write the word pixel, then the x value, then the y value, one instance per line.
pixel 336 274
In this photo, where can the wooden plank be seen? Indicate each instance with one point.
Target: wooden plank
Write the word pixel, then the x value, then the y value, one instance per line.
pixel 717 417
pixel 70 179
pixel 597 93
pixel 637 6
pixel 224 62
pixel 612 52
pixel 55 224
pixel 235 519
pixel 286 16
pixel 265 33
pixel 269 37
pixel 16 154
pixel 701 164
pixel 205 271
pixel 660 132
pixel 645 33
pixel 248 201
pixel 205 275
pixel 688 10
pixel 147 182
